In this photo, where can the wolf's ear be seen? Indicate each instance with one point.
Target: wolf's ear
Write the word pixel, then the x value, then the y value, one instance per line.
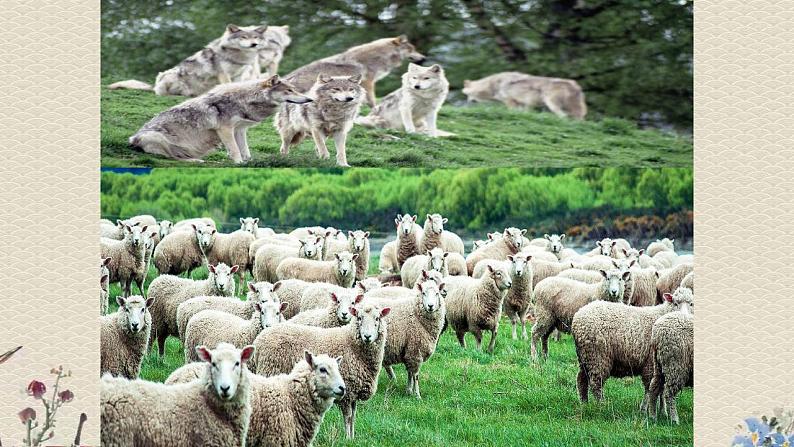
pixel 271 82
pixel 356 79
pixel 261 29
pixel 232 28
pixel 399 40
pixel 323 79
pixel 435 68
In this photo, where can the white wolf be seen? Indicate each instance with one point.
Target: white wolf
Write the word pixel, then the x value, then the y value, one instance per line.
pixel 413 107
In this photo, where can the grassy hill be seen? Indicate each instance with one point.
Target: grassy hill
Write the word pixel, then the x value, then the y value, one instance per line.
pixel 487 135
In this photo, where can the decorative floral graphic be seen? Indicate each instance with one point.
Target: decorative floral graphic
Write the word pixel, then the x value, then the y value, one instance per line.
pixel 777 431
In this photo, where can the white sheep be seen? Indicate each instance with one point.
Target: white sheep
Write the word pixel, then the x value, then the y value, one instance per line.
pixel 269 256
pixel 670 279
pixel 659 246
pixel 387 264
pixel 178 252
pixel 318 295
pixel 277 239
pixel 334 314
pixel 127 257
pixel 434 235
pixel 290 291
pixel 689 281
pixel 434 260
pixel 230 249
pixel 409 238
pixel 456 265
pixel 511 242
pixel 166 227
pixel 213 410
pixel 672 343
pixel 124 337
pixel 341 271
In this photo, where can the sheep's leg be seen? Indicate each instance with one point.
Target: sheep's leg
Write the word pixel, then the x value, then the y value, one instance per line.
pixel 670 391
pixel 127 287
pixel 545 346
pixel 581 384
pixel 161 336
pixel 647 379
pixel 477 337
pixel 347 415
pixel 413 379
pixel 556 335
pixel 353 424
pixel 492 342
pixel 513 323
pixel 390 372
pixel 653 394
pixel 524 335
pixel 140 284
pixel 596 384
pixel 540 333
pixel 461 338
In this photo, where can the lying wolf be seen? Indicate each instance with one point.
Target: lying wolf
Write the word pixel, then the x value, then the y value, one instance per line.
pixel 336 104
pixel 413 107
pixel 563 97
pixel 192 129
pixel 372 61
pixel 231 57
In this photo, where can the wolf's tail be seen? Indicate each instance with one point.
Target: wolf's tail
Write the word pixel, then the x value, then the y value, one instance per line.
pixel 369 121
pixel 130 84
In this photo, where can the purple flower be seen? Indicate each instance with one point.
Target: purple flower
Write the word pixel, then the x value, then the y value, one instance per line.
pixel 36 389
pixel 66 396
pixel 28 414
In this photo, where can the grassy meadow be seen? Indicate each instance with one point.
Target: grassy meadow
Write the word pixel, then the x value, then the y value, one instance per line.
pixel 488 135
pixel 471 398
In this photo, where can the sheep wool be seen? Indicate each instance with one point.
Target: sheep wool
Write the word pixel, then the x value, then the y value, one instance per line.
pixel 456 265
pixel 336 312
pixel 511 242
pixel 178 252
pixel 672 342
pixel 127 257
pixel 409 237
pixel 387 264
pixel 290 292
pixel 659 246
pixel 269 256
pixel 411 271
pixel 230 249
pixel 434 235
pixel 124 337
pixel 341 271
pixel 671 279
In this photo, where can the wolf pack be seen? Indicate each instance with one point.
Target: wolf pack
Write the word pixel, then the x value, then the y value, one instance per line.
pixel 234 84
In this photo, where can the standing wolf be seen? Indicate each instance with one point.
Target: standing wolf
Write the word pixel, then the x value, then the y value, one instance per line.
pixel 275 39
pixel 563 97
pixel 195 127
pixel 231 57
pixel 336 104
pixel 372 61
pixel 413 107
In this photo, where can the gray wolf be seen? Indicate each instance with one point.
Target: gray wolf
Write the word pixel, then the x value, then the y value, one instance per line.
pixel 372 61
pixel 275 40
pixel 413 107
pixel 335 106
pixel 231 57
pixel 563 97
pixel 195 127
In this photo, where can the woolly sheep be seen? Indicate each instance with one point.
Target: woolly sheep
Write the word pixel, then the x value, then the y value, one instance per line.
pixel 672 344
pixel 689 281
pixel 554 245
pixel 456 265
pixel 113 231
pixel 335 313
pixel 434 235
pixel 178 252
pixel 127 257
pixel 368 284
pixel 211 327
pixel 671 279
pixel 519 297
pixel 286 409
pixel 290 291
pixel 251 225
pixel 538 253
pixel 304 232
pixel 187 224
pixel 666 259
pixel 511 242
pixel 171 291
pixel 612 248
pixel 124 337
pixel 341 271
pixel 643 285
pixel 150 240
pixel 409 238
pixel 230 249
pixel 659 246
pixel 104 285
pixel 213 410
pixel 557 300
pixel 595 263
pixel 318 295
pixel 614 340
pixel 288 241
pixel 412 268
pixel 357 242
pixel 387 264
pixel 166 227
pixel 544 269
pixel 268 257
pixel 361 343
pixel 475 304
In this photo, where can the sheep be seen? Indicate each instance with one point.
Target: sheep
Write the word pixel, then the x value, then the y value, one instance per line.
pixel 544 269
pixel 646 261
pixel 671 279
pixel 689 281
pixel 341 271
pixel 667 259
pixel 334 314
pixel 318 295
pixel 259 292
pixel 213 410
pixel 104 285
pixel 359 244
pixel 553 244
pixel 436 236
pixel 643 285
pixel 268 257
pixel 409 237
pixel 368 284
pixel 124 337
pixel 210 327
pixel 612 248
pixel 613 339
pixel 171 291
pixel 556 301
pixel 178 252
pixel 287 241
pixel 672 346
pixel 412 268
pixel 304 232
pixel 187 224
pixel 595 263
pixel 659 246
pixel 510 243
pixel 415 323
pixel 127 257
pixel 538 253
pixel 361 343
pixel 113 231
pixel 387 264
pixel 683 259
pixel 398 292
pixel 291 291
pixel 150 240
pixel 475 304
pixel 251 225
pixel 230 249
pixel 286 409
pixel 166 227
pixel 456 265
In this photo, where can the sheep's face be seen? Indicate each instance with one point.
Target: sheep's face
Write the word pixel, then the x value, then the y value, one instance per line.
pixel 431 295
pixel 135 233
pixel 632 253
pixel 438 258
pixel 343 303
pixel 615 282
pixel 346 263
pixel 358 240
pixel 519 265
pixel 270 313
pixel 148 239
pixel 166 228
pixel 514 237
pixel 262 292
pixel 682 299
pixel 205 235
pixel 133 312
pixel 436 222
pixel 368 284
pixel 222 277
pixel 431 275
pixel 624 265
pixel 226 367
pixel 405 224
pixel 311 247
pixel 328 382
pixel 334 233
pixel 500 276
pixel 605 246
pixel 369 321
pixel 555 242
pixel 249 224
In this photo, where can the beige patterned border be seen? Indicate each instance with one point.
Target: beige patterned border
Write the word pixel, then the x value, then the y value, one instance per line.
pixel 49 194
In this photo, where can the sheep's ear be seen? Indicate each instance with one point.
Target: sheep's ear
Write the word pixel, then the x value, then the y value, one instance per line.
pixel 419 286
pixel 119 223
pixel 252 287
pixel 258 306
pixel 657 274
pixel 246 353
pixel 214 231
pixel 424 274
pixel 441 287
pixel 276 286
pixel 355 256
pixel 631 264
pixel 283 307
pixel 120 301
pixel 336 255
pixel 490 268
pixel 668 297
pixel 338 360
pixel 598 243
pixel 614 243
pixel 413 217
pixel 241 221
pixel 106 261
pixel 232 28
pixel 358 299
pixel 194 227
pixel 235 268
pixel 366 234
pixel 524 231
pixel 103 278
pixel 547 236
pixel 256 220
pixel 511 258
pixel 353 311
pixel 435 68
pixel 334 298
pixel 641 252
pixel 317 240
pixel 349 233
pixel 562 236
pixel 603 272
pixel 625 252
pixel 385 311
pixel 614 264
pixel 626 275
pixel 204 353
pixel 211 268
pixel 446 253
pixel 427 252
pixel 444 220
pixel 309 357
pixel 397 221
pixel 529 258
pixel 149 302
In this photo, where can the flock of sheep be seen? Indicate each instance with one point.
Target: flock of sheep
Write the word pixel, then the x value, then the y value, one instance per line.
pixel 315 330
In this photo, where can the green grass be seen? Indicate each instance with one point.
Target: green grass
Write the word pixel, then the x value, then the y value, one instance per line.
pixel 471 398
pixel 487 136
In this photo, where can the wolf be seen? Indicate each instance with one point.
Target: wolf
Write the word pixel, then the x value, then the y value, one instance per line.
pixel 372 61
pixel 337 101
pixel 195 127
pixel 413 107
pixel 275 40
pixel 224 60
pixel 563 97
